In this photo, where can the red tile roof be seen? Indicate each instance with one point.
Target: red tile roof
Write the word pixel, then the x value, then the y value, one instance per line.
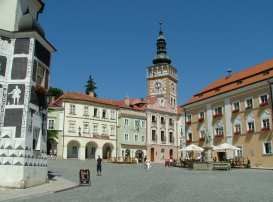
pixel 237 80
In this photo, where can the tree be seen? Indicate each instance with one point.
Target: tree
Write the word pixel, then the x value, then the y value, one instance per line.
pixel 90 86
pixel 55 92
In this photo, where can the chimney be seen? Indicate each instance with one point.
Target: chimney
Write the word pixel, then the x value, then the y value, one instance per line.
pixel 127 101
pixel 91 94
pixel 229 73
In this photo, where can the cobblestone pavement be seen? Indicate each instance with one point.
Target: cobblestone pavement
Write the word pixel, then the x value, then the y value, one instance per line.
pixel 130 183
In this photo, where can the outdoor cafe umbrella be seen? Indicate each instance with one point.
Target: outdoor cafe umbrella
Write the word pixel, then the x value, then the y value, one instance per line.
pixel 192 147
pixel 224 147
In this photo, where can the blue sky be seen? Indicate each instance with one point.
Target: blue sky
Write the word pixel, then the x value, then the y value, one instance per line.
pixel 114 40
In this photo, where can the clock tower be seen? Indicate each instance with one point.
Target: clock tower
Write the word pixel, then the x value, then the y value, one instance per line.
pixel 162 76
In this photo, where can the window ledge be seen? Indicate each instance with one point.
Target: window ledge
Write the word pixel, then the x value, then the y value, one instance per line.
pixel 268 154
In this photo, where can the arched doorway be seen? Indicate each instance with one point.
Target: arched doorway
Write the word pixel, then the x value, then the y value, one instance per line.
pixel 152 154
pixel 73 149
pixel 90 150
pixel 107 151
pixel 171 154
pixel 139 155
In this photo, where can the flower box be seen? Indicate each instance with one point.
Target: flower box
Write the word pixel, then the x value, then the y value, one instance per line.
pixel 217 115
pixel 263 104
pixel 236 133
pixel 200 120
pixel 188 122
pixel 265 129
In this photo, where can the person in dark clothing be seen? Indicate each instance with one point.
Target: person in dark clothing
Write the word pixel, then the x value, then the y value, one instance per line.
pixel 99 161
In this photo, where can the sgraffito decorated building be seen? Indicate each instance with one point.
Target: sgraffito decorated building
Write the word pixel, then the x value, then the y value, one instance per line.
pixel 25 56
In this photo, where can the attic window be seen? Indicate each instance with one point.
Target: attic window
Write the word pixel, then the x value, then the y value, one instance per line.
pixel 239 82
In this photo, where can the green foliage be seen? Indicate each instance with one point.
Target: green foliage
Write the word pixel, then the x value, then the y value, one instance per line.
pixel 55 92
pixel 90 86
pixel 52 135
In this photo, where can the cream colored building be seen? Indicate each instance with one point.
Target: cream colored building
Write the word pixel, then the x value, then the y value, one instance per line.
pixel 89 128
pixel 237 110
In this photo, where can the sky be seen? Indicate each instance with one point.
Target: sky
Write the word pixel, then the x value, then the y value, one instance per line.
pixel 115 40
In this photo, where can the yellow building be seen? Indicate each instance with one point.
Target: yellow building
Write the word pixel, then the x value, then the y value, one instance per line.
pixel 236 109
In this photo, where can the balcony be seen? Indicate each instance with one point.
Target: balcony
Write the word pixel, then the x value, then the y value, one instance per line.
pixel 263 104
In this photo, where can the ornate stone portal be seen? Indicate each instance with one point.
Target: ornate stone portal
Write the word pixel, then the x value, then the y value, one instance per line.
pixel 24 68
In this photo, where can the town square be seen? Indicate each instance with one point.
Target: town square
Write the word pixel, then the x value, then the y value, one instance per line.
pixel 99 102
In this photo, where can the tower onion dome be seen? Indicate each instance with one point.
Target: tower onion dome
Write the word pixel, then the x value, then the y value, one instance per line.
pixel 161 56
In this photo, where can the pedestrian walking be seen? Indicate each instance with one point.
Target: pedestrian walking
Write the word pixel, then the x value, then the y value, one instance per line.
pixel 99 162
pixel 147 165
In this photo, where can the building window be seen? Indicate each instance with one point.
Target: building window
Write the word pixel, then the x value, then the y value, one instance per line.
pixel 263 100
pixel 218 111
pixel 189 136
pixel 267 148
pixel 136 137
pixel 237 129
pixel 112 130
pixel 188 118
pixel 104 129
pixel 126 122
pixel 86 128
pixel 113 114
pixel 104 114
pixel 72 126
pixel 96 113
pixel 153 119
pixel 95 128
pixel 72 109
pixel 249 103
pixel 126 137
pixel 171 137
pixel 137 124
pixel 250 126
pixel 202 134
pixel 201 116
pixel 265 124
pixel 219 131
pixel 86 111
pixel 142 124
pixel 236 106
pixel 153 135
pixel 51 124
pixel 171 122
pixel 142 138
pixel 162 136
pixel 162 120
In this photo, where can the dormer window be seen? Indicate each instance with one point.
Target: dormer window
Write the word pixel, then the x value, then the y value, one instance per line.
pixel 264 100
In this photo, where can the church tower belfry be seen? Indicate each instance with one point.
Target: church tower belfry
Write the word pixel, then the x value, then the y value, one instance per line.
pixel 162 76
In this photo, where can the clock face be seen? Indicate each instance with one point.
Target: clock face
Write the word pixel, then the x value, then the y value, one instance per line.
pixel 158 86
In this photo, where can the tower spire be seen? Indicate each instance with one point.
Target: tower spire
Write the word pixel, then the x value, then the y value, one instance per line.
pixel 161 54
